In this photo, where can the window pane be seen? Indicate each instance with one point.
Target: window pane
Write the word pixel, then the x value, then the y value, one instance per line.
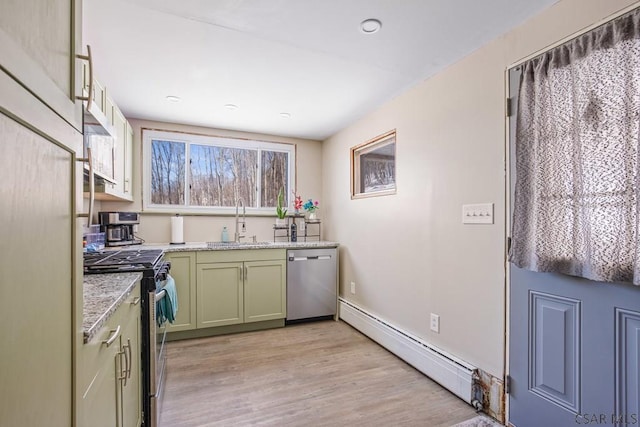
pixel 221 175
pixel 275 175
pixel 167 172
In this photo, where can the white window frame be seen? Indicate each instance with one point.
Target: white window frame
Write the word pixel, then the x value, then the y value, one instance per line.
pixel 148 135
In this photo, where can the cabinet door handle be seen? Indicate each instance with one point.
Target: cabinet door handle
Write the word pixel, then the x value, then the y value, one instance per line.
pixel 129 360
pixel 246 273
pixel 112 338
pixel 92 186
pixel 135 301
pixel 89 59
pixel 126 350
pixel 122 375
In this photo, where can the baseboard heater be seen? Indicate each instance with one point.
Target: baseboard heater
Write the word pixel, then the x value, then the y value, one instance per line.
pixel 450 372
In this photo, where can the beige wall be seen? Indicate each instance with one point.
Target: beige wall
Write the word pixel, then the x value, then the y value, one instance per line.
pixel 409 253
pixel 156 228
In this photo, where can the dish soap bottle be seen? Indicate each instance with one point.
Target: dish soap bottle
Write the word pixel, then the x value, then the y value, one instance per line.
pixel 294 232
pixel 225 234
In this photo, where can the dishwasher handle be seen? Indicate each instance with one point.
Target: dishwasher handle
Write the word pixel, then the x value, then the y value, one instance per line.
pixel 309 258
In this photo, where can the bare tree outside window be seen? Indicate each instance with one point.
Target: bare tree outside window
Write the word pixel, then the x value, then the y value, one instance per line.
pixel 199 173
pixel 373 167
pixel 275 175
pixel 221 175
pixel 167 172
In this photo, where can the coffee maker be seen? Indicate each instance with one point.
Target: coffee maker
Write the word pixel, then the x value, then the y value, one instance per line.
pixel 119 228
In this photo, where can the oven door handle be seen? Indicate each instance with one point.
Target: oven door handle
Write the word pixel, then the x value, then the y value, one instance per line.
pixel 160 295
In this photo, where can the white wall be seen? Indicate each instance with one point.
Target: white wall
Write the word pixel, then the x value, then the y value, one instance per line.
pixel 156 228
pixel 409 253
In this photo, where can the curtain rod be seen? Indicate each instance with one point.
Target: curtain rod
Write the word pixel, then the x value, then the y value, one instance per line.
pixel 576 34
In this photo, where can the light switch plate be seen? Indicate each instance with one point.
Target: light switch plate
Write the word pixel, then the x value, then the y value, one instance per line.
pixel 480 213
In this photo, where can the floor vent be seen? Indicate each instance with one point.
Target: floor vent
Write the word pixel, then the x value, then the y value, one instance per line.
pixel 452 373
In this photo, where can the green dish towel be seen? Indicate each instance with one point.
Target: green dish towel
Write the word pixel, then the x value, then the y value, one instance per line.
pixel 167 307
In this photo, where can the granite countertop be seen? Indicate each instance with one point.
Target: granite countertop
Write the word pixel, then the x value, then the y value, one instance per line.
pixel 220 246
pixel 103 294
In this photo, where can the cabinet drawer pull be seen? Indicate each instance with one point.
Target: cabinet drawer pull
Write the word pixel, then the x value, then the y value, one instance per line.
pixel 89 59
pixel 135 301
pixel 112 338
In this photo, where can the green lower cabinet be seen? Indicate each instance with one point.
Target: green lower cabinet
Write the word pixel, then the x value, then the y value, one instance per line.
pixel 183 270
pixel 130 405
pixel 99 401
pixel 228 290
pixel 111 375
pixel 220 294
pixel 265 291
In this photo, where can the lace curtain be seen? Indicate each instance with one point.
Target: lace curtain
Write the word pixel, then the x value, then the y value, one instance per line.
pixel 577 195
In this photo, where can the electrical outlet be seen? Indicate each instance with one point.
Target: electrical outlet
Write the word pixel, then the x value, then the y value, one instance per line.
pixel 435 323
pixel 353 287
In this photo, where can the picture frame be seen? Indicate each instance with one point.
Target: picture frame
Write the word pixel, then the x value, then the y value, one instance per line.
pixel 373 167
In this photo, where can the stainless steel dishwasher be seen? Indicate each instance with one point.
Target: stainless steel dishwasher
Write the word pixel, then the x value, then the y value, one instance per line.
pixel 311 283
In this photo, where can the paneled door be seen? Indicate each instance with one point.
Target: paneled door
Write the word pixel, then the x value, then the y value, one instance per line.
pixel 573 344
pixel 37 291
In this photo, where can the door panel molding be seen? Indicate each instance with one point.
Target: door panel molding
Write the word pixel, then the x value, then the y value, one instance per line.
pixel 627 333
pixel 554 349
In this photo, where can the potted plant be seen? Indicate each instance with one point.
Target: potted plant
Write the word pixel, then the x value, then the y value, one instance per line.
pixel 311 207
pixel 281 211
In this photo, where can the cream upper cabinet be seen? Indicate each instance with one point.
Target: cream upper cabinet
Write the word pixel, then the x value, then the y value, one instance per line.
pixel 38 46
pixel 120 148
pixel 121 155
pixel 128 162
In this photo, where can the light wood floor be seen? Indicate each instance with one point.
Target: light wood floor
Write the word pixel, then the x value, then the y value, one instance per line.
pixel 313 374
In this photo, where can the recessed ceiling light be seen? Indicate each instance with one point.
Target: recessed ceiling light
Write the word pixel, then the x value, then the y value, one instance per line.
pixel 370 26
pixel 172 98
pixel 231 107
pixel 285 115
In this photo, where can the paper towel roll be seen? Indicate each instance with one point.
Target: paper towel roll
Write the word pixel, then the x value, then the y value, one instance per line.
pixel 177 230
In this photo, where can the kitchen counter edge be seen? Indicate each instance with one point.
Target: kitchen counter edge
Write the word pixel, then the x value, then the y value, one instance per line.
pixel 219 246
pixel 103 294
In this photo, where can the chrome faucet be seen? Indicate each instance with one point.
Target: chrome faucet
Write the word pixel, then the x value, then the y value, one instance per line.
pixel 240 234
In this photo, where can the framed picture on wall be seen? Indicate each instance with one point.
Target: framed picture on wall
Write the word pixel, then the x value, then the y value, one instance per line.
pixel 373 167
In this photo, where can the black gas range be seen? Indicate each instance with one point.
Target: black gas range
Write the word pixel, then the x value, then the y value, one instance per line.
pixel 154 269
pixel 143 260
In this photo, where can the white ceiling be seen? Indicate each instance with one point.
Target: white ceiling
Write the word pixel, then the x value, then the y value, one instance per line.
pixel 307 58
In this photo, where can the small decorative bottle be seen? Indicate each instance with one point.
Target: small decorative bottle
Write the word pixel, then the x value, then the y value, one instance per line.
pixel 225 234
pixel 294 232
